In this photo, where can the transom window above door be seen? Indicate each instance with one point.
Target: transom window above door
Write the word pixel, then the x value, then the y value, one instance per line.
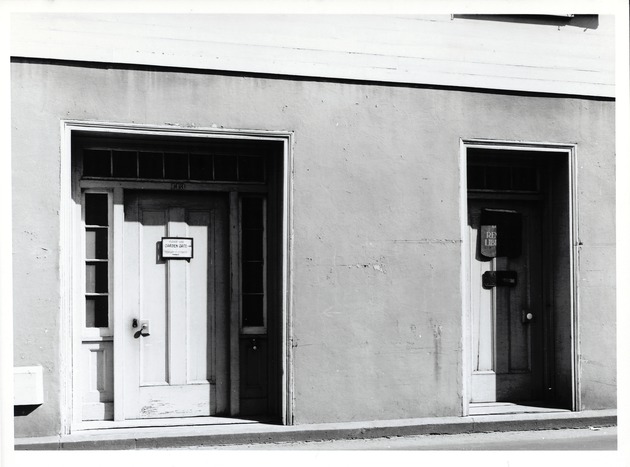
pixel 108 163
pixel 486 171
pixel 224 161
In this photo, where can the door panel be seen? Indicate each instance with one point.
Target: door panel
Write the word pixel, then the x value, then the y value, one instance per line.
pixel 198 326
pixel 507 346
pixel 153 297
pixel 254 382
pixel 180 368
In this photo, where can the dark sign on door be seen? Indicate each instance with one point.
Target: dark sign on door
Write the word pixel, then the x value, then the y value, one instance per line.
pixel 500 233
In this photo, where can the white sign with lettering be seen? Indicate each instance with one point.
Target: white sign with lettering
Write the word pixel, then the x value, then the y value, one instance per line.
pixel 489 238
pixel 177 248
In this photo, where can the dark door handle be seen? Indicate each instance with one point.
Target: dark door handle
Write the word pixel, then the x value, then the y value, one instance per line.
pixel 144 327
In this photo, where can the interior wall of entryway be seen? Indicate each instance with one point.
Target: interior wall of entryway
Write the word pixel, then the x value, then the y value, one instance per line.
pixel 376 242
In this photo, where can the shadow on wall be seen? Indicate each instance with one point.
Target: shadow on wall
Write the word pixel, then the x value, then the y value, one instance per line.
pixel 22 410
pixel 578 21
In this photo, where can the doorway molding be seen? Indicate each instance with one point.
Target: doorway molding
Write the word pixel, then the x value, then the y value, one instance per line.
pixel 69 212
pixel 567 151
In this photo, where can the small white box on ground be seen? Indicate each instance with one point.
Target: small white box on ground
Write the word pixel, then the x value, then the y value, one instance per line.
pixel 28 385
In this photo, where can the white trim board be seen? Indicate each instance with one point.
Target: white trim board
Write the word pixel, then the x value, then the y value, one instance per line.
pixel 442 50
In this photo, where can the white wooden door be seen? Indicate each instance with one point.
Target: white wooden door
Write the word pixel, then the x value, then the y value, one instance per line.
pixel 507 320
pixel 181 368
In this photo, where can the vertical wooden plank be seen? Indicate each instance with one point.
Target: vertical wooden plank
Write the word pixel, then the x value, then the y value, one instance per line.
pixel 77 303
pixel 482 308
pixel 465 261
pixel 475 299
pixel 116 317
pixel 71 267
pixel 483 377
pixel 219 302
pixel 265 236
pixel 282 190
pixel 177 304
pixel 574 278
pixel 521 300
pixel 235 296
pixel 502 314
pixel 129 351
pixel 200 331
pixel 275 320
pixel 483 317
pixel 556 280
pixel 540 329
pixel 154 361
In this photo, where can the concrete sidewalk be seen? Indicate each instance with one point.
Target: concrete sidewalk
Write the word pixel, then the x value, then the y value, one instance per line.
pixel 237 434
pixel 570 439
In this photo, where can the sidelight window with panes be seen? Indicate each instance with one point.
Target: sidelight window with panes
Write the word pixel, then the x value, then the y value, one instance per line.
pixel 96 350
pixel 253 265
pixel 97 260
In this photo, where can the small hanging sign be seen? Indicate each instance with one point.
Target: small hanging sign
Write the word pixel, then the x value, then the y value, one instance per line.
pixel 500 233
pixel 177 248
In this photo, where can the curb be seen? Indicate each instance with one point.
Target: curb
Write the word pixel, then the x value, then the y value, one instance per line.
pixel 174 437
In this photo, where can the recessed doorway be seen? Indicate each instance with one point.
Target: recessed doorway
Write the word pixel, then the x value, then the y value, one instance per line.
pixel 519 301
pixel 178 279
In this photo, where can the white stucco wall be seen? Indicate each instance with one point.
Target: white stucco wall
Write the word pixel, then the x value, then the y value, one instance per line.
pixel 376 235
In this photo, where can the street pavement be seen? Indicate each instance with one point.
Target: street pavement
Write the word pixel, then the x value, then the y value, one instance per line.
pixel 588 439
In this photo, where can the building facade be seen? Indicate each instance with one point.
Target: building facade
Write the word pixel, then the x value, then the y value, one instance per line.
pixel 310 226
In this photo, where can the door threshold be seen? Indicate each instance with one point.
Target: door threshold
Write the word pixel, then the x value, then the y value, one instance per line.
pixel 168 422
pixel 501 408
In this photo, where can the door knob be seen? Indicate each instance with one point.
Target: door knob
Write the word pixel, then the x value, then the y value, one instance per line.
pixel 528 316
pixel 144 327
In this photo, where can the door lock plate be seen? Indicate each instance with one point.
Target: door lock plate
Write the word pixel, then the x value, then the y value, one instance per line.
pixel 490 279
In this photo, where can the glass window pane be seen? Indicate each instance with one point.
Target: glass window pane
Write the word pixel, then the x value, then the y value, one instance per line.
pixel 251 169
pixel 96 244
pixel 125 164
pixel 176 166
pixel 525 178
pixel 475 177
pixel 253 277
pixel 96 163
pixel 96 209
pixel 151 165
pixel 96 278
pixel 225 168
pixel 253 310
pixel 252 214
pixel 252 245
pixel 96 313
pixel 498 178
pixel 200 167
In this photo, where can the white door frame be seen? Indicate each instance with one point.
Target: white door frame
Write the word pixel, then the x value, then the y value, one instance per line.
pixel 71 263
pixel 569 151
